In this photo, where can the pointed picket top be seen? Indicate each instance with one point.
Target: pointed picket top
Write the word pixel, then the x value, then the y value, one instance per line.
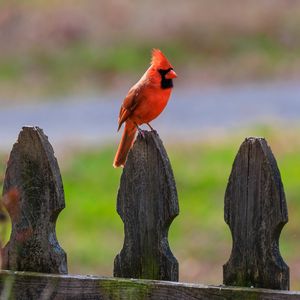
pixel 147 203
pixel 256 211
pixel 33 195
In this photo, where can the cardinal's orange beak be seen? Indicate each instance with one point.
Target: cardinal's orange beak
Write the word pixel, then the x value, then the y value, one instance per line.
pixel 171 74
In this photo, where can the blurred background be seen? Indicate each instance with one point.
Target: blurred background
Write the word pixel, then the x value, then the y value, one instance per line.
pixel 66 66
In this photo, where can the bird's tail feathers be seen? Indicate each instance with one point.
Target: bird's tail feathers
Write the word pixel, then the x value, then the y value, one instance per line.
pixel 125 144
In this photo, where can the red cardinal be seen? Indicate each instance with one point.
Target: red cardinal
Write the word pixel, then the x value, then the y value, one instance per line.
pixel 144 102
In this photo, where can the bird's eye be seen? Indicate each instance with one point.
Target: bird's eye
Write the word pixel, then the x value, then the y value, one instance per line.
pixel 164 71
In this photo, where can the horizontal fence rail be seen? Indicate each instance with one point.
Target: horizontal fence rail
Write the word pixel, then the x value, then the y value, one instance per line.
pixel 147 202
pixel 19 285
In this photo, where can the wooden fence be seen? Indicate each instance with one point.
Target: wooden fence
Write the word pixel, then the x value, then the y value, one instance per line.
pixel 34 266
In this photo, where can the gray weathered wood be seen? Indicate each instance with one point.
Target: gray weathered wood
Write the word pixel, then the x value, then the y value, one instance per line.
pixel 256 211
pixel 147 203
pixel 22 285
pixel 33 195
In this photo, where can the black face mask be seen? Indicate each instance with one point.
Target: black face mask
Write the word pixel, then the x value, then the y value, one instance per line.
pixel 165 83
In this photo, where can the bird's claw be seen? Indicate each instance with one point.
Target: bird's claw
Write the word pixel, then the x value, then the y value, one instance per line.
pixel 151 128
pixel 142 133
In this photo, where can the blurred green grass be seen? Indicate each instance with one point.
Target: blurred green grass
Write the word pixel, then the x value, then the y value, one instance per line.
pixel 60 47
pixel 57 71
pixel 84 66
pixel 91 232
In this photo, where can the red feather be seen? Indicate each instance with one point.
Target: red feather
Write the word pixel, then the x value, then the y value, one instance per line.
pixel 159 60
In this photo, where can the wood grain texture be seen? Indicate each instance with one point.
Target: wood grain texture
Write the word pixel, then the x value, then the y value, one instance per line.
pixel 32 171
pixel 256 211
pixel 22 285
pixel 147 203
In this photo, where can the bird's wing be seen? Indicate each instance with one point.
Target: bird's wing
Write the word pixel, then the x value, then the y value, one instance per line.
pixel 129 104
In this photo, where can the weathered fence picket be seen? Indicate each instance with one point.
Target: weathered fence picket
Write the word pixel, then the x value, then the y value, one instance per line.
pixel 147 204
pixel 255 210
pixel 33 197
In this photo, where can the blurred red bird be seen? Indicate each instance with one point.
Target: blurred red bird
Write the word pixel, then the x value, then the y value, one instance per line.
pixel 144 102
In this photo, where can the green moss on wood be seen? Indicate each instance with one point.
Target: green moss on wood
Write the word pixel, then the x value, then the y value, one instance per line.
pixel 127 289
